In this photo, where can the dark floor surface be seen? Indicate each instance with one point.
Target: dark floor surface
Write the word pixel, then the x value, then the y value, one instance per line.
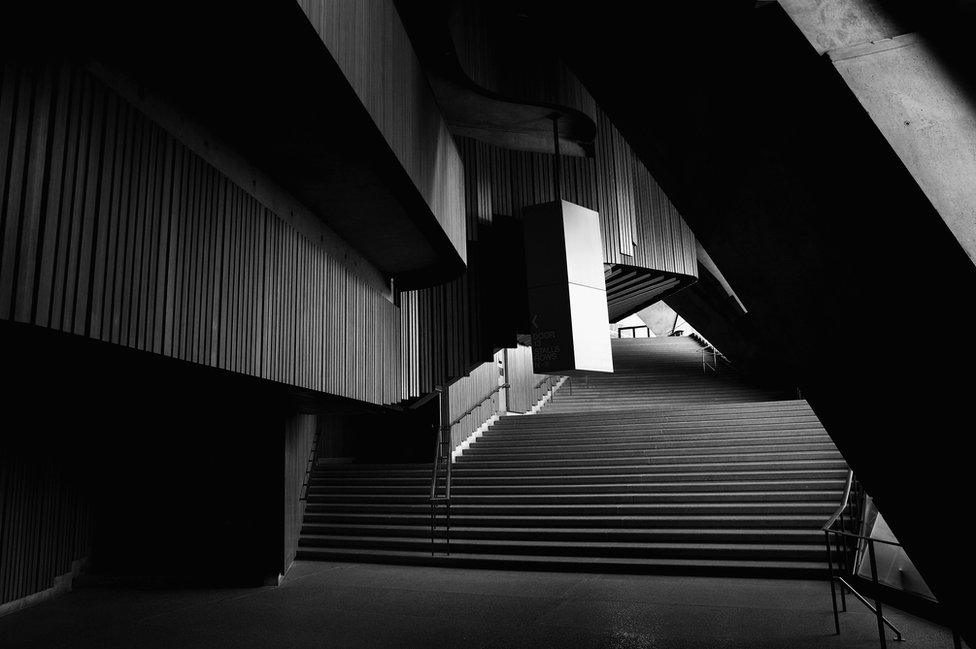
pixel 336 605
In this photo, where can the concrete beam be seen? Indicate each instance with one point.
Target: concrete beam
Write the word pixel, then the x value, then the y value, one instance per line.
pixel 921 107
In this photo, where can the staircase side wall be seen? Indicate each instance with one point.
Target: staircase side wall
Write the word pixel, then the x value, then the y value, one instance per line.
pixel 299 436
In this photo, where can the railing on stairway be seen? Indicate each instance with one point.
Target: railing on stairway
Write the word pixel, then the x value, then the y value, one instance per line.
pixel 708 350
pixel 309 465
pixel 846 545
pixel 552 380
pixel 442 463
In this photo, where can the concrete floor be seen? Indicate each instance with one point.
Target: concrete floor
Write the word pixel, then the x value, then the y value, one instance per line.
pixel 332 605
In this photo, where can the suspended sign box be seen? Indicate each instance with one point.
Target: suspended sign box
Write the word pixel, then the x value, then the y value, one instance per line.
pixel 567 292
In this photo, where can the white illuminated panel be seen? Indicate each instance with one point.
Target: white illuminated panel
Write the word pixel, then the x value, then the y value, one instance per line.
pixel 567 291
pixel 591 344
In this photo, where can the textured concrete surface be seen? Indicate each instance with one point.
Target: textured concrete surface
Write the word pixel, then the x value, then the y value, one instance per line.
pixel 354 605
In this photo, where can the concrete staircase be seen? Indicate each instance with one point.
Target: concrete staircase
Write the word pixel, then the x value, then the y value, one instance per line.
pixel 680 472
pixel 656 373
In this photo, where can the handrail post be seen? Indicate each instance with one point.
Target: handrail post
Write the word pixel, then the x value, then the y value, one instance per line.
pixel 845 569
pixel 437 455
pixel 833 586
pixel 877 600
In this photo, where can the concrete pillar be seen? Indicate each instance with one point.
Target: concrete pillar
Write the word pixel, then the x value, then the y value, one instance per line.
pixel 925 114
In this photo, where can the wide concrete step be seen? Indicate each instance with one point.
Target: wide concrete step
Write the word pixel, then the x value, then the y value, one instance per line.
pixel 663 432
pixel 466 478
pixel 729 568
pixel 741 422
pixel 462 497
pixel 463 487
pixel 782 536
pixel 661 386
pixel 605 406
pixel 575 468
pixel 692 413
pixel 638 399
pixel 529 437
pixel 655 454
pixel 647 457
pixel 804 508
pixel 653 522
pixel 675 376
pixel 713 416
pixel 603 548
pixel 782 406
pixel 648 447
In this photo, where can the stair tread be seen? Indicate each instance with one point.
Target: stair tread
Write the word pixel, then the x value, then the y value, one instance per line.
pixel 807 504
pixel 575 560
pixel 715 531
pixel 619 476
pixel 812 547
pixel 621 485
pixel 624 495
pixel 731 518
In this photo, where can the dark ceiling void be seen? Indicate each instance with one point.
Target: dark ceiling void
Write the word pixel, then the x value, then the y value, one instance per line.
pixel 510 98
pixel 707 306
pixel 824 234
pixel 258 77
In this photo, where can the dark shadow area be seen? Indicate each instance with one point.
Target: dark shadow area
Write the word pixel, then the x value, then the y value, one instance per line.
pixel 817 224
pixel 179 468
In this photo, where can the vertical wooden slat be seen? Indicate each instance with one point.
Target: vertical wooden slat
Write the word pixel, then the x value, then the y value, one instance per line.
pixel 21 100
pixel 54 192
pixel 103 204
pixel 34 196
pixel 125 235
pixel 122 223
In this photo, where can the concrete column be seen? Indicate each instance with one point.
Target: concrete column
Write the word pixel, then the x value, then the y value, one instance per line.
pixel 912 96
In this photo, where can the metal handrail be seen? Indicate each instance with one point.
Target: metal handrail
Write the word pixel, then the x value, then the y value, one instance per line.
pixel 443 437
pixel 861 537
pixel 848 543
pixel 553 386
pixel 716 356
pixel 843 503
pixel 437 457
pixel 547 378
pixel 709 347
pixel 478 405
pixel 303 496
pixel 441 445
pixel 845 551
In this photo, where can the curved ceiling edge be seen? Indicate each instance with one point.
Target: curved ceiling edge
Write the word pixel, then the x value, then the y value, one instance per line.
pixel 516 110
